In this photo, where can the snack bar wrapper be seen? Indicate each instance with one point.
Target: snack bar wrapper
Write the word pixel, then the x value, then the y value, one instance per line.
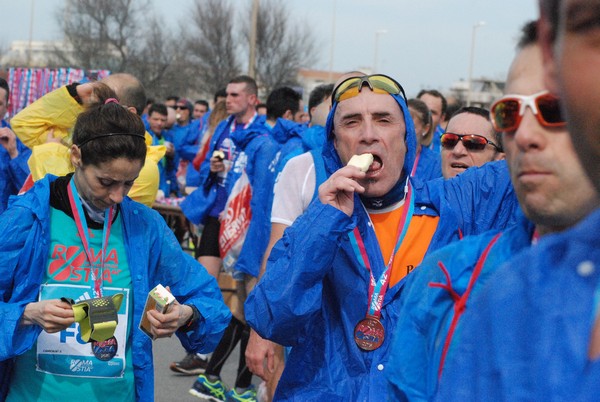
pixel 159 299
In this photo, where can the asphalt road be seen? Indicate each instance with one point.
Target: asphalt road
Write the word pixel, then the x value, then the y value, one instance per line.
pixel 169 386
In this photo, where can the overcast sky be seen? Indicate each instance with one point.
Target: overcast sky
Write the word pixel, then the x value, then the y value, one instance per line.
pixel 421 43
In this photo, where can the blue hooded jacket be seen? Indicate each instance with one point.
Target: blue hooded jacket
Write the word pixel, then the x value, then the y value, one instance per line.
pixel 288 135
pixel 166 169
pixel 188 148
pixel 13 172
pixel 315 290
pixel 528 332
pixel 256 152
pixel 429 165
pixel 154 257
pixel 313 138
pixel 428 311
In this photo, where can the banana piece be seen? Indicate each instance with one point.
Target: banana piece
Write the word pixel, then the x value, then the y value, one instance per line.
pixel 218 154
pixel 361 161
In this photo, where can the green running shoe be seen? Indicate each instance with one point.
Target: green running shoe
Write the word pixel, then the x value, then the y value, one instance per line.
pixel 207 390
pixel 249 395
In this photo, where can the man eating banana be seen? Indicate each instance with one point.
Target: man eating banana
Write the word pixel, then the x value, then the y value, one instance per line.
pixel 332 282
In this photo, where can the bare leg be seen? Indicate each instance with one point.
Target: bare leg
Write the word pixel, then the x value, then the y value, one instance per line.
pixel 212 264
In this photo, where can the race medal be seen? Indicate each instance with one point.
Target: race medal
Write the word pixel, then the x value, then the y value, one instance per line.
pixel 369 333
pixel 105 350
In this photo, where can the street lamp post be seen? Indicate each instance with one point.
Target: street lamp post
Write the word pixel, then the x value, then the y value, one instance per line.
pixel 29 47
pixel 471 58
pixel 332 47
pixel 252 52
pixel 377 34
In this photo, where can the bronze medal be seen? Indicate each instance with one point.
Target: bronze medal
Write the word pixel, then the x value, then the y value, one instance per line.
pixel 369 333
pixel 105 350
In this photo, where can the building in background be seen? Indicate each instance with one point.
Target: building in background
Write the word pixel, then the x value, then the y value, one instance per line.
pixel 484 91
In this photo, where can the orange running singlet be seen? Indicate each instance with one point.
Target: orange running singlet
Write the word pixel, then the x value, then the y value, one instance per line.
pixel 414 246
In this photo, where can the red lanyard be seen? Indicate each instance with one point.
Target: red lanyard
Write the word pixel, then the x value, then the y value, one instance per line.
pixel 535 237
pixel 82 229
pixel 378 289
pixel 232 126
pixel 416 163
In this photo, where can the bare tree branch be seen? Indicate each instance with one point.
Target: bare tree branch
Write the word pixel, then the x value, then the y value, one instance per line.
pixel 210 44
pixel 158 62
pixel 282 47
pixel 102 34
pixel 123 36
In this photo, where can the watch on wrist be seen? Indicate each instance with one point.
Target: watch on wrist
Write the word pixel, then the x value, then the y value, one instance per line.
pixel 191 323
pixel 72 89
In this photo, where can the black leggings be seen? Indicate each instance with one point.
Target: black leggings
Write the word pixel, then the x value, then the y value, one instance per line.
pixel 235 332
pixel 208 244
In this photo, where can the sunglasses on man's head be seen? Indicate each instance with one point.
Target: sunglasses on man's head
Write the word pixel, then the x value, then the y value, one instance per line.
pixel 378 83
pixel 472 142
pixel 508 111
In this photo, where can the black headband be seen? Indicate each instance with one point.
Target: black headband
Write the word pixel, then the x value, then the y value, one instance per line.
pixel 110 135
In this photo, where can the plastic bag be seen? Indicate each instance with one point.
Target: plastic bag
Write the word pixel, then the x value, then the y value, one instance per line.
pixel 235 222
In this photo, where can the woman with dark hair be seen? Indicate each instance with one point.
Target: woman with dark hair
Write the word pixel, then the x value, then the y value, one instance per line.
pixel 428 164
pixel 78 240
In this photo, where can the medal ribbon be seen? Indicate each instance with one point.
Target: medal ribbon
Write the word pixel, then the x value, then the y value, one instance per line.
pixel 82 229
pixel 232 125
pixel 535 237
pixel 416 163
pixel 377 289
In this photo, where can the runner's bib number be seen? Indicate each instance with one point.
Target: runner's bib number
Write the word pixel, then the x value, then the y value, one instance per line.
pixel 65 353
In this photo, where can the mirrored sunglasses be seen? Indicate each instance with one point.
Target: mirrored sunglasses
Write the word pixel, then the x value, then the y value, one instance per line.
pixel 472 142
pixel 508 111
pixel 378 83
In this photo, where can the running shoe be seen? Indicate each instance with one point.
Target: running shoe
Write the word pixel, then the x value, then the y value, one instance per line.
pixel 192 364
pixel 249 395
pixel 207 390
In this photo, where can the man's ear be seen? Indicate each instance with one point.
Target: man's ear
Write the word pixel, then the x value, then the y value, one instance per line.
pixel 132 109
pixel 547 46
pixel 288 115
pixel 75 156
